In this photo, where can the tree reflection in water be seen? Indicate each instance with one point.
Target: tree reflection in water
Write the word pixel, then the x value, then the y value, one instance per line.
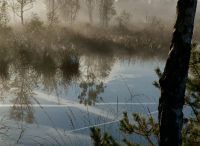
pixel 29 69
pixel 91 89
pixel 96 70
pixel 25 70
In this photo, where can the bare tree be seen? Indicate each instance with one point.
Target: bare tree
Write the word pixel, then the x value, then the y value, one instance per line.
pixel 106 11
pixel 52 7
pixel 19 7
pixel 90 6
pixel 3 13
pixel 69 9
pixel 174 78
pixel 123 19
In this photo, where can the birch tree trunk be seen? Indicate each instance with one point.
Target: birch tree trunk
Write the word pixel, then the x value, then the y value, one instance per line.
pixel 173 81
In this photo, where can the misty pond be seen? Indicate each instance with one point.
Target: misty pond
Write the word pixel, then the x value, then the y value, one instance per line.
pixel 42 104
pixel 67 66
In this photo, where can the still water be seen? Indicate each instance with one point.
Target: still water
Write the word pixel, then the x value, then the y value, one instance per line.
pixel 50 108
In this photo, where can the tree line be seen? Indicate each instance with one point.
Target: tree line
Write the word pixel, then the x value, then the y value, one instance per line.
pixel 65 10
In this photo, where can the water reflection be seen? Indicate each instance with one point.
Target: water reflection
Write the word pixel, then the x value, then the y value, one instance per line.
pixel 24 73
pixel 91 90
pixel 4 63
pixel 25 70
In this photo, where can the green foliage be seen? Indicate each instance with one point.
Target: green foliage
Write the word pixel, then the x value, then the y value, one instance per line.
pixel 102 140
pixel 159 74
pixel 191 131
pixel 145 127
